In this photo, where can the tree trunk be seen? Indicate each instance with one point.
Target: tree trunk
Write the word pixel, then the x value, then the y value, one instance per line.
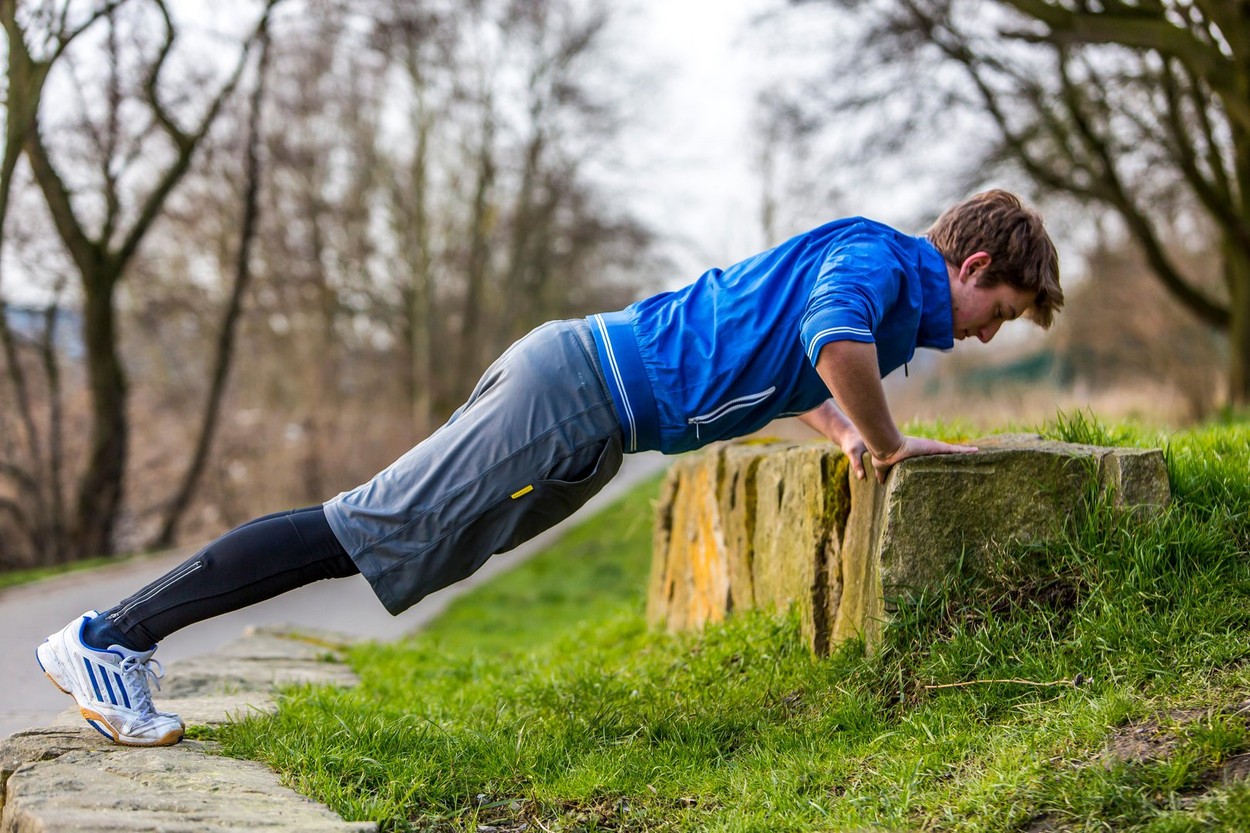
pixel 103 482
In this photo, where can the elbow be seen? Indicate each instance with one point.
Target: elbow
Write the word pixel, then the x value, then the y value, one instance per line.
pixel 836 352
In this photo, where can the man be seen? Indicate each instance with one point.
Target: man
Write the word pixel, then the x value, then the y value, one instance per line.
pixel 808 328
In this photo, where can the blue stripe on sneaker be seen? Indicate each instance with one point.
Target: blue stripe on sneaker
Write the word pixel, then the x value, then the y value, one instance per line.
pixel 122 688
pixel 100 729
pixel 94 684
pixel 104 672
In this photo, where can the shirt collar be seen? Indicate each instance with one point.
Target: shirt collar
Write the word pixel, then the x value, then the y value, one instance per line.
pixel 937 326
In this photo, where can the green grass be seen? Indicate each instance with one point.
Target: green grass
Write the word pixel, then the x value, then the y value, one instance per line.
pixel 27 575
pixel 544 699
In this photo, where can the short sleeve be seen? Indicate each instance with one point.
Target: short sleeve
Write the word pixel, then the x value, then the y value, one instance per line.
pixel 858 281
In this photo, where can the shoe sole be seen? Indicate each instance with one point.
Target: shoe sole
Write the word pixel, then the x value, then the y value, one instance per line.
pixel 98 722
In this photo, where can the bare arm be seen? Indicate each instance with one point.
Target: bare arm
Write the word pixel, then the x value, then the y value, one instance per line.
pixel 832 423
pixel 849 370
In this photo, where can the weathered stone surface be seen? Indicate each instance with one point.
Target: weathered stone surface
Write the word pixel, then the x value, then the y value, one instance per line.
pixel 257 663
pixel 860 608
pixel 779 515
pixel 693 580
pixel 178 789
pixel 704 537
pixel 229 675
pixel 751 525
pixel 738 514
pixel 942 509
pixel 67 777
pixel 42 744
pixel 798 536
pixel 1137 479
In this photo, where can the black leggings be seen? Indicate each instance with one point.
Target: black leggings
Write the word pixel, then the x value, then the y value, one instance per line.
pixel 251 563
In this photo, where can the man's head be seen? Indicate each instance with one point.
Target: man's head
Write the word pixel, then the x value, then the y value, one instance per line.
pixel 1002 263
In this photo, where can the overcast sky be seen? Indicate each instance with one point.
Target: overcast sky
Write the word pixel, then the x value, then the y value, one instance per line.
pixel 696 150
pixel 692 147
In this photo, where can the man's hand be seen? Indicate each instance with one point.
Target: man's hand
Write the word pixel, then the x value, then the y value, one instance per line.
pixel 852 445
pixel 914 447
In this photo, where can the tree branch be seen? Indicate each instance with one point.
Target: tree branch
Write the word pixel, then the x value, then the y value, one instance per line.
pixel 188 142
pixel 84 251
pixel 56 436
pixel 1214 193
pixel 151 82
pixel 1105 184
pixel 1138 27
pixel 65 38
pixel 1139 226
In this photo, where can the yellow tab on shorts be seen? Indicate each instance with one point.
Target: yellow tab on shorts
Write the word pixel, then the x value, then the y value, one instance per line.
pixel 523 492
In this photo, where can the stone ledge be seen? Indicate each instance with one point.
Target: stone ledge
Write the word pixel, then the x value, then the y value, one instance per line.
pixel 779 525
pixel 67 778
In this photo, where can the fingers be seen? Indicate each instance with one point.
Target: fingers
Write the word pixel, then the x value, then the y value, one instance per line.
pixel 916 447
pixel 958 449
pixel 857 465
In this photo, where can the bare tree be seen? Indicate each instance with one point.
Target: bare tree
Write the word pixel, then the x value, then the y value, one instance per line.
pixel 1140 109
pixel 103 243
pixel 41 516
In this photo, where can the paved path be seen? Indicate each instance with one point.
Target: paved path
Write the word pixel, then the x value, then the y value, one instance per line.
pixel 30 612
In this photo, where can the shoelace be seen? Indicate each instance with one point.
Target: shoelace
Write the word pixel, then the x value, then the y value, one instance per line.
pixel 135 672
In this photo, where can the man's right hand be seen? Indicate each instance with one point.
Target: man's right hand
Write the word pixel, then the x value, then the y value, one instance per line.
pixel 915 447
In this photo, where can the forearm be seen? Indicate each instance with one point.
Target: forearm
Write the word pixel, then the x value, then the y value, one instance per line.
pixel 849 370
pixel 827 420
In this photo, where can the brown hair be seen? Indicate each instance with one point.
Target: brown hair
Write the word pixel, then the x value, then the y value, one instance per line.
pixel 1021 252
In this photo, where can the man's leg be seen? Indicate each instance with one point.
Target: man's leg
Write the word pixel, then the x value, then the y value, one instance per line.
pixel 538 437
pixel 252 563
pixel 104 660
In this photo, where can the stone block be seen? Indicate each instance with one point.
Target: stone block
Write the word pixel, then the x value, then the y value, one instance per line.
pixel 1137 479
pixel 176 789
pixel 691 585
pixel 778 526
pixel 860 610
pixel 42 744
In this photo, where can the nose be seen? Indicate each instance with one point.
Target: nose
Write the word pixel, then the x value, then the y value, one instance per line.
pixel 987 332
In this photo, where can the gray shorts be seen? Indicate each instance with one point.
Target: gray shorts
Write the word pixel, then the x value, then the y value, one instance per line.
pixel 536 440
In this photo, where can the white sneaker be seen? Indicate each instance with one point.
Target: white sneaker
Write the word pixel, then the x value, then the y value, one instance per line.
pixel 110 687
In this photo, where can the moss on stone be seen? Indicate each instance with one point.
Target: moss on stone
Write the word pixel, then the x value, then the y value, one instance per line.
pixel 837 491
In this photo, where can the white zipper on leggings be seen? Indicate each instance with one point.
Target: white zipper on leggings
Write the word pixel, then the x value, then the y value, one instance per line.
pixel 169 581
pixel 729 407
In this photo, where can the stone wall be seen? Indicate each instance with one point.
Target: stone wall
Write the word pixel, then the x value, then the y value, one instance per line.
pixel 775 525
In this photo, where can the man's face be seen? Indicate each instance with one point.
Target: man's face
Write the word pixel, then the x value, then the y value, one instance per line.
pixel 978 311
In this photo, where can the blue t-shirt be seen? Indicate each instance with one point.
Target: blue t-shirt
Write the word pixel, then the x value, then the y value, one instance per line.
pixel 737 348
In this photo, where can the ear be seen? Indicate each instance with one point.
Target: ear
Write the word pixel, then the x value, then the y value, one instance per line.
pixel 974 265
